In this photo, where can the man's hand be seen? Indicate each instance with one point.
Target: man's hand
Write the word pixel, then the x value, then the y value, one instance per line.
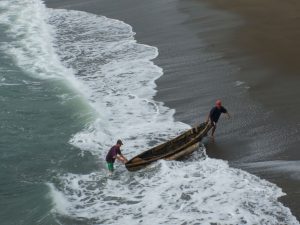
pixel 122 159
pixel 228 116
pixel 125 159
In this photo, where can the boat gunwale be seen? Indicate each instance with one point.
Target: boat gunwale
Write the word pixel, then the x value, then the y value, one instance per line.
pixel 205 128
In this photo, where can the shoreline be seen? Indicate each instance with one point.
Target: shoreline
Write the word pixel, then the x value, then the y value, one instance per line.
pixel 190 38
pixel 270 37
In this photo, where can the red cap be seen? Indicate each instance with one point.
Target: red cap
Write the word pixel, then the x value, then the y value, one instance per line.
pixel 218 103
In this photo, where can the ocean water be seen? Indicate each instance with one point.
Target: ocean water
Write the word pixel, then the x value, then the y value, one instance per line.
pixel 71 84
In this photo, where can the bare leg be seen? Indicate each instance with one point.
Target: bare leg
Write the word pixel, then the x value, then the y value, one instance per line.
pixel 213 131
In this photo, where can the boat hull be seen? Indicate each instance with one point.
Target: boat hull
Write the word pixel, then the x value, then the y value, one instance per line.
pixel 174 149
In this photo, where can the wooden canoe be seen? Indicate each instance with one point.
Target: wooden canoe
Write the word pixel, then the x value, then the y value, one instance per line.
pixel 173 149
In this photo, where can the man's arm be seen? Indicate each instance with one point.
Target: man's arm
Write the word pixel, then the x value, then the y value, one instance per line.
pixel 121 158
pixel 124 158
pixel 227 115
pixel 209 116
pixel 225 111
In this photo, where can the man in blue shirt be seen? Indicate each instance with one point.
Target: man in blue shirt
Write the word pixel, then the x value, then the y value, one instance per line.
pixel 113 154
pixel 215 114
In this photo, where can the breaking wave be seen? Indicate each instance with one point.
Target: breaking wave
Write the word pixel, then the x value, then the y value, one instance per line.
pixel 99 58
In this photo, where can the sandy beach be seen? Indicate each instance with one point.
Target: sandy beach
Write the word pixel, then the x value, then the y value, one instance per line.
pixel 269 35
pixel 246 53
pixel 270 31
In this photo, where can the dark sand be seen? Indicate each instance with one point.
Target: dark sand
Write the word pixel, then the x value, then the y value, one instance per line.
pixel 271 33
pixel 205 51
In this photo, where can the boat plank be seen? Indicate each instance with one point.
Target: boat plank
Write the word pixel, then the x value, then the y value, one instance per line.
pixel 173 149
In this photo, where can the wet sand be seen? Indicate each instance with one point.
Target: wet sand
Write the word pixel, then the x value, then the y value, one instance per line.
pixel 269 33
pixel 222 50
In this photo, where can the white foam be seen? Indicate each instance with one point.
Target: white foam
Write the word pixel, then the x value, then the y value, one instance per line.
pixel 30 37
pixel 239 83
pixel 30 41
pixel 194 192
pixel 60 202
pixel 120 75
pixel 114 74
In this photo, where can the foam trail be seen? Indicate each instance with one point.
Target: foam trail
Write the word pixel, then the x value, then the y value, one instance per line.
pixel 100 59
pixel 30 43
pixel 30 38
pixel 193 192
pixel 120 76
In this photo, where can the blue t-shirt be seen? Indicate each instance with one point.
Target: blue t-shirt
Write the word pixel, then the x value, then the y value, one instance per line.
pixel 216 112
pixel 113 152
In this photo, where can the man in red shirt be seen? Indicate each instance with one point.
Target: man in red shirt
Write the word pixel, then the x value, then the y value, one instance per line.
pixel 215 114
pixel 113 154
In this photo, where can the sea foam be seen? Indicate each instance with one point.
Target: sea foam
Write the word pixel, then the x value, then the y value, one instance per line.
pixel 120 75
pixel 194 192
pixel 99 59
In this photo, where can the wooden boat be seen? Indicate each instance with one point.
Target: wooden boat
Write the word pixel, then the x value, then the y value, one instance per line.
pixel 173 149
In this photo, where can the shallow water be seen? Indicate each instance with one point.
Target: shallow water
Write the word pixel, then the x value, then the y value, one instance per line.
pixel 72 83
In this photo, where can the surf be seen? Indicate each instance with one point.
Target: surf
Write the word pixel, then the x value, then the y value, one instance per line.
pixel 101 61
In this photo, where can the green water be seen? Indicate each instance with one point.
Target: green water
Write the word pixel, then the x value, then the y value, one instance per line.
pixel 36 126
